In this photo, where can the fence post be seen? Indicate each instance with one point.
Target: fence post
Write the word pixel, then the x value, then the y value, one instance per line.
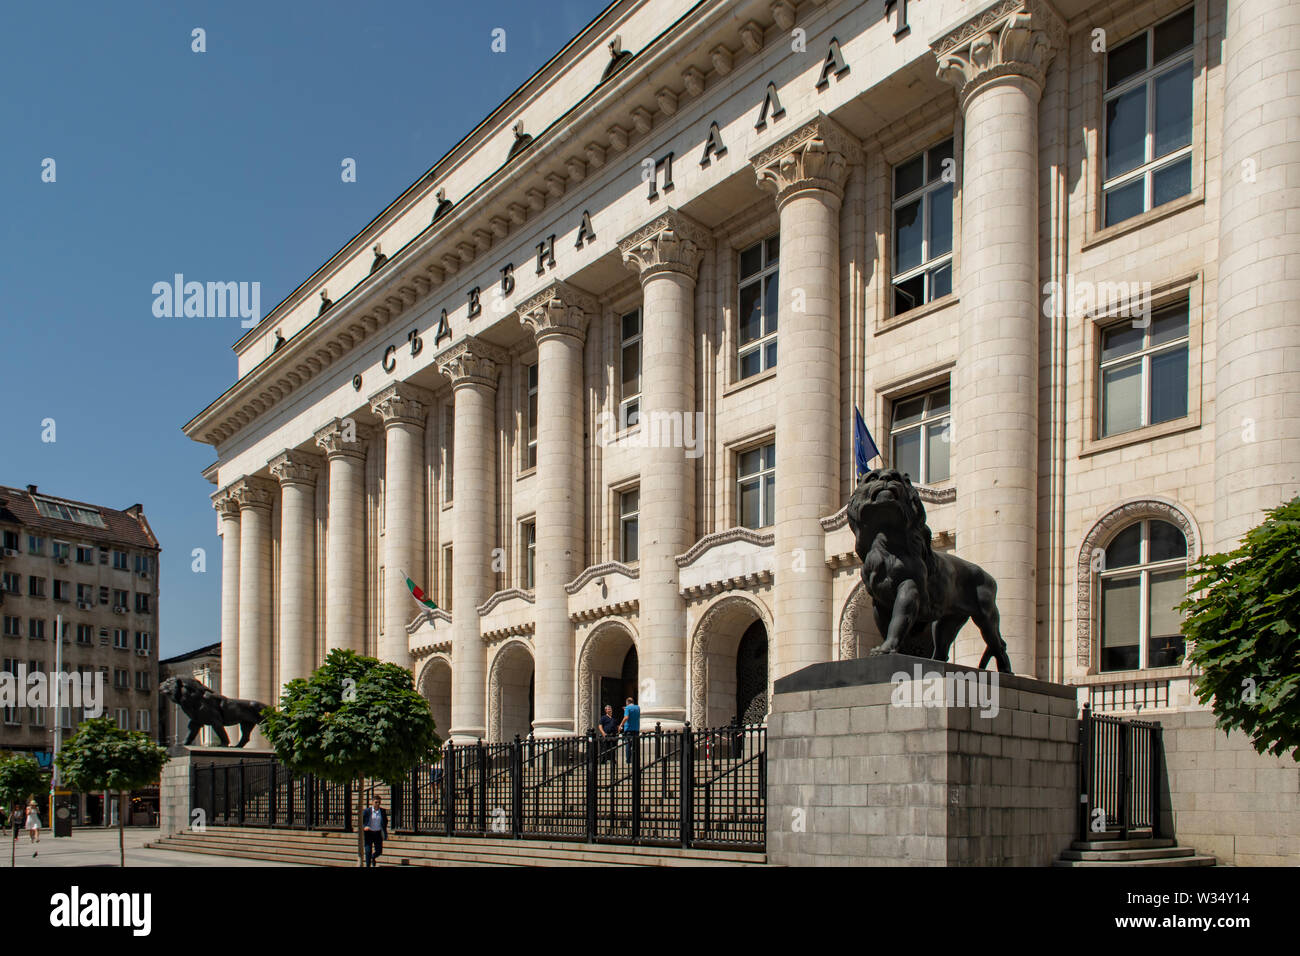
pixel 1157 743
pixel 212 793
pixel 686 769
pixel 449 788
pixel 634 739
pixel 516 788
pixel 482 787
pixel 309 816
pixel 271 797
pixel 1085 769
pixel 242 791
pixel 415 798
pixel 1125 771
pixel 593 768
pixel 289 801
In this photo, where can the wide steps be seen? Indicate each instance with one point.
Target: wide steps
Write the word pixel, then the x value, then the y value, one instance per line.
pixel 1135 852
pixel 340 849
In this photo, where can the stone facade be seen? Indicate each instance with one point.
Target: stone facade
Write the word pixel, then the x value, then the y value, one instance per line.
pixel 468 399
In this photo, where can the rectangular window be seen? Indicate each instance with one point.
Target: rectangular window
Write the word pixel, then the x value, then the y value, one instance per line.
pixel 120 638
pixel 85 633
pixel 142 603
pixel 121 679
pixel 629 408
pixel 1143 372
pixel 61 551
pixel 36 716
pixel 119 561
pixel 85 594
pixel 65 718
pixel 629 515
pixel 920 436
pixel 446 578
pixel 1148 119
pixel 103 595
pixel 69 512
pixel 756 487
pixel 13 583
pixel 530 434
pixel 13 716
pixel 922 234
pixel 143 641
pixel 120 599
pixel 35 586
pixel 449 452
pixel 123 719
pixel 35 545
pixel 13 626
pixel 142 720
pixel 35 629
pixel 11 540
pixel 62 590
pixel 142 680
pixel 85 554
pixel 759 299
pixel 528 554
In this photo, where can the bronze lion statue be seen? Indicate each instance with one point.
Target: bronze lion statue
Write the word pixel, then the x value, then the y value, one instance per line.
pixel 920 598
pixel 206 708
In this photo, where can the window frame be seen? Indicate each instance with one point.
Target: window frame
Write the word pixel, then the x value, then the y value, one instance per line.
pixel 1142 570
pixel 767 268
pixel 625 342
pixel 530 415
pixel 926 422
pixel 927 265
pixel 626 518
pixel 528 553
pixel 763 472
pixel 1143 357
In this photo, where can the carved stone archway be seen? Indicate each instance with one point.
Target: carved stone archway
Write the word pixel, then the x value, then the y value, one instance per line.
pixel 601 633
pixel 726 618
pixel 1098 537
pixel 858 631
pixel 508 668
pixel 434 685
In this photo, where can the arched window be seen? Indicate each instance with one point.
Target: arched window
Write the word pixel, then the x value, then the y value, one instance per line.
pixel 1142 576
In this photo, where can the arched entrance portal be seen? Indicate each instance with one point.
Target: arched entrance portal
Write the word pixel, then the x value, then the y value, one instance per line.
pixel 751 675
pixel 730 672
pixel 435 687
pixel 608 673
pixel 512 693
pixel 858 631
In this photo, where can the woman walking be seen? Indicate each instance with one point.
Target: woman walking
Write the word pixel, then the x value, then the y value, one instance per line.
pixel 33 824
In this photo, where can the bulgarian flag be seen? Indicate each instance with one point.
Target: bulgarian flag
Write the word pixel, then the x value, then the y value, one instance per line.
pixel 417 592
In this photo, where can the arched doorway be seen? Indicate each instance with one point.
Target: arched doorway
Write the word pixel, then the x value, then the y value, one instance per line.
pixel 608 673
pixel 751 675
pixel 858 631
pixel 435 687
pixel 512 693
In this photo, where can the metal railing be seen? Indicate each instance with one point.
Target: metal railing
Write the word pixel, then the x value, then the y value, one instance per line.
pixel 689 788
pixel 1119 775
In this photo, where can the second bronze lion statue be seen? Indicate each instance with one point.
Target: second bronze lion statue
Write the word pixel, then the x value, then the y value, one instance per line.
pixel 206 708
pixel 920 598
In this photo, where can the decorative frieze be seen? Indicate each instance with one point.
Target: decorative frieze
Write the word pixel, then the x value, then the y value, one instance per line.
pixel 1011 38
pixel 671 242
pixel 558 309
pixel 401 403
pixel 815 156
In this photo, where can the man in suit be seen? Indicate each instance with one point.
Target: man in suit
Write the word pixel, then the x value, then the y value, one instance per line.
pixel 374 826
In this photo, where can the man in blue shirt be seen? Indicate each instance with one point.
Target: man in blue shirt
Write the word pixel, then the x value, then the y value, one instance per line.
pixel 630 726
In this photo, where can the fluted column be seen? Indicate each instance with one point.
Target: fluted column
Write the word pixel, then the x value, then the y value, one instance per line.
pixel 667 254
pixel 296 471
pixel 1257 343
pixel 473 368
pixel 998 68
pixel 228 512
pixel 344 444
pixel 254 496
pixel 807 171
pixel 557 317
pixel 402 407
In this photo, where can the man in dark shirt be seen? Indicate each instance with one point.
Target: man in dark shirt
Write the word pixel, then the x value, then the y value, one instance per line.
pixel 608 731
pixel 374 824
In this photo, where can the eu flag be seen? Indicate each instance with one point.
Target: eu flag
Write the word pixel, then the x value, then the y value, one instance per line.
pixel 864 447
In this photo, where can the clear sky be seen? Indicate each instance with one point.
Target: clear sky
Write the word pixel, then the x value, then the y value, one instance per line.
pixel 222 165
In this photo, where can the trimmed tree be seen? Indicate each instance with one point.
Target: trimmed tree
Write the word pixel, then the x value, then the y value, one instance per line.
pixel 21 778
pixel 102 756
pixel 353 718
pixel 1243 628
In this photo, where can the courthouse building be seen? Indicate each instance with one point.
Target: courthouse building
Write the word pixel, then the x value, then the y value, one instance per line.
pixel 590 381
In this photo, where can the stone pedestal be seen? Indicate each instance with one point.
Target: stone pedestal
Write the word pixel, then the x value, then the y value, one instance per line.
pixel 174 786
pixel 869 766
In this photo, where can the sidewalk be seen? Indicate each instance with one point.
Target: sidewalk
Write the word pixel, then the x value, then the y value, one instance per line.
pixel 95 846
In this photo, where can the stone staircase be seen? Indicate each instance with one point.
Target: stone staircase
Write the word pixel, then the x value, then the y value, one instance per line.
pixel 340 849
pixel 1109 850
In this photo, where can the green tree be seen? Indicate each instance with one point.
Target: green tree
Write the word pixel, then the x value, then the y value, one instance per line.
pixel 1243 625
pixel 102 756
pixel 353 718
pixel 21 777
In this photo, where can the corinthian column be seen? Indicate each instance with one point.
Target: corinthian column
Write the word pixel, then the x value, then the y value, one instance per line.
pixel 807 171
pixel 473 368
pixel 1257 346
pixel 296 471
pixel 667 254
pixel 997 63
pixel 344 444
pixel 557 317
pixel 254 496
pixel 228 519
pixel 402 408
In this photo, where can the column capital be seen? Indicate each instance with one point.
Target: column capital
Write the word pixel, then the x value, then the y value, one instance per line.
pixel 671 242
pixel 1009 38
pixel 401 403
pixel 815 156
pixel 558 309
pixel 343 437
pixel 295 467
pixel 472 362
pixel 253 493
pixel 225 504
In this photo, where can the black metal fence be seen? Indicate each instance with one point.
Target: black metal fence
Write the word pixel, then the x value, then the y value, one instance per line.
pixel 689 788
pixel 1119 776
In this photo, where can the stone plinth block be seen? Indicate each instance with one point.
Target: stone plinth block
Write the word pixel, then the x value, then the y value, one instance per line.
pixel 898 760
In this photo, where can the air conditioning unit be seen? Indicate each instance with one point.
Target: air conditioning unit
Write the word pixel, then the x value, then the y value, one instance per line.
pixel 83 605
pixel 143 574
pixel 63 561
pixel 119 609
pixel 141 652
pixel 10 553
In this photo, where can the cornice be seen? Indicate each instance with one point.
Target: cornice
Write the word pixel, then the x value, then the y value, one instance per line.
pixel 600 570
pixel 488 606
pixel 428 650
pixel 504 633
pixel 740 582
pixel 759 538
pixel 617 609
pixel 431 617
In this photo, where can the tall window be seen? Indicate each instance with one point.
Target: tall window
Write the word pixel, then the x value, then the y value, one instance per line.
pixel 35 545
pixel 1144 372
pixel 119 561
pixel 35 629
pixel 142 720
pixel 35 586
pixel 1142 582
pixel 446 578
pixel 759 297
pixel 1148 104
pixel 528 553
pixel 530 448
pixel 123 718
pixel 13 626
pixel 85 554
pixel 60 549
pixel 629 409
pixel 11 540
pixel 62 590
pixel 449 469
pixel 143 641
pixel 120 638
pixel 920 436
pixel 12 582
pixel 756 487
pixel 923 228
pixel 85 633
pixel 629 520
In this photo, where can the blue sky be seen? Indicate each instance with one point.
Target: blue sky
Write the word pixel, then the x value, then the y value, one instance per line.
pixel 224 166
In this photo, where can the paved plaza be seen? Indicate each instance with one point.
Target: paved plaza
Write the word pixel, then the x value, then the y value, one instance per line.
pixel 98 847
